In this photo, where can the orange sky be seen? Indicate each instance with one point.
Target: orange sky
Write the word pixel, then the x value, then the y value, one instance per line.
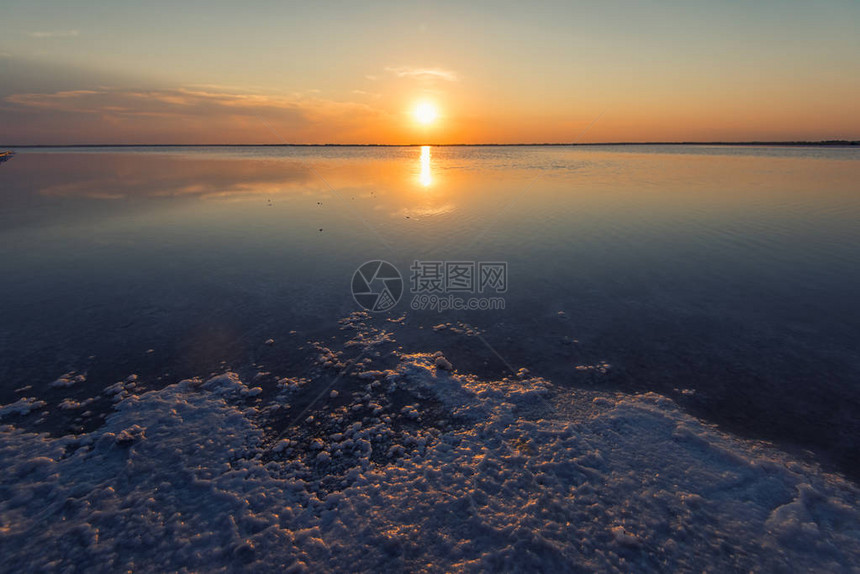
pixel 499 72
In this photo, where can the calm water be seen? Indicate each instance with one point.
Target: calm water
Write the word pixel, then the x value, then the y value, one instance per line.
pixel 727 278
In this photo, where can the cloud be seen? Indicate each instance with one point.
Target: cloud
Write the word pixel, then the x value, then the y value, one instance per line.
pixel 166 103
pixel 56 34
pixel 363 93
pixel 181 114
pixel 425 74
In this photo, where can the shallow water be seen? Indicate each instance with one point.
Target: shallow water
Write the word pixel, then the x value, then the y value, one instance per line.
pixel 724 277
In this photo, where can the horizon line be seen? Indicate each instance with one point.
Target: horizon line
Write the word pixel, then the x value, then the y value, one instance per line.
pixel 839 142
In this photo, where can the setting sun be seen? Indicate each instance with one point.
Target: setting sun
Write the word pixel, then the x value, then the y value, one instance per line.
pixel 425 113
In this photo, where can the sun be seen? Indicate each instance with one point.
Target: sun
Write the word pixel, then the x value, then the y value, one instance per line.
pixel 425 113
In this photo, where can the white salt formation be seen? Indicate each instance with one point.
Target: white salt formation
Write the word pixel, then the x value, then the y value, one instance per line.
pixel 425 469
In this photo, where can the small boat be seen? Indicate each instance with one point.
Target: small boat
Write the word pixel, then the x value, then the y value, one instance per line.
pixel 4 155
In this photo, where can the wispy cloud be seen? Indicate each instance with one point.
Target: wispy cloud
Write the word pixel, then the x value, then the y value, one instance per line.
pixel 56 34
pixel 426 74
pixel 164 103
pixel 366 94
pixel 174 114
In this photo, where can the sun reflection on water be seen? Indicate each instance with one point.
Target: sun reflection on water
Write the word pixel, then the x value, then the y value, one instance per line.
pixel 425 175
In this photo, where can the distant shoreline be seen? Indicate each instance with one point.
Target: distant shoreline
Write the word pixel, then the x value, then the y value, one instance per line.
pixel 828 143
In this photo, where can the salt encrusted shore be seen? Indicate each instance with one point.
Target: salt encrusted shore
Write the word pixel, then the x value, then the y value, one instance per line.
pixel 414 467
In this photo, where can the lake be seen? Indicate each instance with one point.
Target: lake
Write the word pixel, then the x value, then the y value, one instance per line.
pixel 723 277
pixel 601 358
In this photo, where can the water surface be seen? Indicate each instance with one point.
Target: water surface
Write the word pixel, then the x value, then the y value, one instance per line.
pixel 725 277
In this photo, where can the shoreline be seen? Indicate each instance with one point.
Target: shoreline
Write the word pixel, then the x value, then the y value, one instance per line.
pixel 410 461
pixel 825 143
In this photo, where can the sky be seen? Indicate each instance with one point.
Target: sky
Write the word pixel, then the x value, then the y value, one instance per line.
pixel 107 71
